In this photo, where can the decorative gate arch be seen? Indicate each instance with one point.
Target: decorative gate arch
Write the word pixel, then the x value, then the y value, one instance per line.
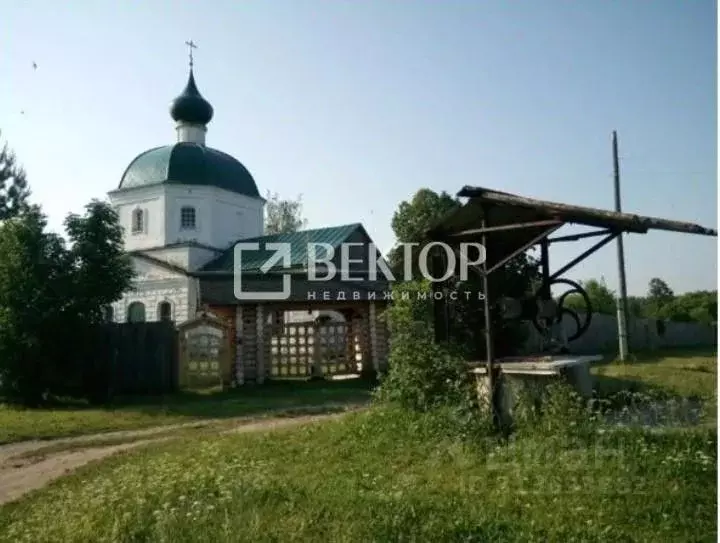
pixel 204 356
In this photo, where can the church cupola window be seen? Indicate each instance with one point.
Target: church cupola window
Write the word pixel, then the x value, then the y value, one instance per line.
pixel 164 311
pixel 136 312
pixel 187 218
pixel 138 221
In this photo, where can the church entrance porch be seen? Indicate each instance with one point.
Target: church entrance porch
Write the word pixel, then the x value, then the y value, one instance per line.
pixel 319 346
pixel 296 340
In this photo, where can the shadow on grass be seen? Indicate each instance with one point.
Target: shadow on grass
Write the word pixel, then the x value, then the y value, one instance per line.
pixel 606 386
pixel 661 355
pixel 632 401
pixel 250 399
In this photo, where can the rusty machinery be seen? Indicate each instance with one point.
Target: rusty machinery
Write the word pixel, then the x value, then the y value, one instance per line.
pixel 508 225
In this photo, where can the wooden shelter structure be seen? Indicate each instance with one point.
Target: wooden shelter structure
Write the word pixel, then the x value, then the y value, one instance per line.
pixel 264 340
pixel 508 225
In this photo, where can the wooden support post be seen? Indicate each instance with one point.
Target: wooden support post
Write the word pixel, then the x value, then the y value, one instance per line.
pixel 382 339
pixel 365 340
pixel 546 291
pixel 372 318
pixel 492 381
pixel 316 371
pixel 239 369
pixel 260 367
pixel 545 269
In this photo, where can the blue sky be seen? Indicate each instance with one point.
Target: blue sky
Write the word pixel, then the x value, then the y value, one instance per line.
pixel 356 105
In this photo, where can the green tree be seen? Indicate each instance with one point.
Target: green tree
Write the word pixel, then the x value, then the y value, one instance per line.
pixel 51 296
pixel 659 297
pixel 102 269
pixel 283 216
pixel 34 272
pixel 413 219
pixel 602 299
pixel 698 306
pixel 14 191
pixel 410 223
pixel 659 290
pixel 637 306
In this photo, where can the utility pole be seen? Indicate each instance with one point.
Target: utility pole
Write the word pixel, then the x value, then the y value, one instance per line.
pixel 622 307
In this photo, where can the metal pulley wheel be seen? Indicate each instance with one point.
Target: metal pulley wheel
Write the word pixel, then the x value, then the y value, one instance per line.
pixel 548 316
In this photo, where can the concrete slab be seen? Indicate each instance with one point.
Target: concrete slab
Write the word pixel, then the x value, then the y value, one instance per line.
pixel 529 377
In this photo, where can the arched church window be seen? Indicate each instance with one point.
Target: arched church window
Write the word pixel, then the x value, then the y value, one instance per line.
pixel 136 312
pixel 164 311
pixel 138 221
pixel 187 218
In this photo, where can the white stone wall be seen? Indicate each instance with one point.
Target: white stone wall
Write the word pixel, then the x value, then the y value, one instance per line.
pixel 187 258
pixel 154 285
pixel 221 217
pixel 152 296
pixel 151 200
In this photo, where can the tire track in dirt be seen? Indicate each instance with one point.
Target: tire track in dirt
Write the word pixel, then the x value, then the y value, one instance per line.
pixel 20 472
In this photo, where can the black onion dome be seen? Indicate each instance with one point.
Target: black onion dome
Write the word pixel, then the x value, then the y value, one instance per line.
pixel 190 107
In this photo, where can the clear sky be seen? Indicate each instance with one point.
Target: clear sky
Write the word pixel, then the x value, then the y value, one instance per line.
pixel 356 105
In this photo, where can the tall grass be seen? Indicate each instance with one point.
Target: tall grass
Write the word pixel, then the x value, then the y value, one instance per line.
pixel 390 474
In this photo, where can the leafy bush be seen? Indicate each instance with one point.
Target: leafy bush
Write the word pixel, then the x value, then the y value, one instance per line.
pixel 562 414
pixel 425 376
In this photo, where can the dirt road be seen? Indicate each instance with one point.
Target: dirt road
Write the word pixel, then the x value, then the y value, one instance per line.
pixel 30 465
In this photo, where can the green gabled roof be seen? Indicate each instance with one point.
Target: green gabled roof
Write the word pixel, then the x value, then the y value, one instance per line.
pixel 253 260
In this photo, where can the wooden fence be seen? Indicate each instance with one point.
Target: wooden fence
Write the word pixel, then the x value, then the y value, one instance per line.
pixel 132 358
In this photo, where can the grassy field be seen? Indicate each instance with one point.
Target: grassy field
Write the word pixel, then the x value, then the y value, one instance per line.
pixel 69 420
pixel 384 475
pixel 689 373
pixel 387 475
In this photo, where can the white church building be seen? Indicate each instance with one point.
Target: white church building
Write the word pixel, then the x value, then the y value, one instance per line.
pixel 183 207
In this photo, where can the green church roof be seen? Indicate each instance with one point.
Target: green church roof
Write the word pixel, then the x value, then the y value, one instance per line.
pixel 253 260
pixel 187 163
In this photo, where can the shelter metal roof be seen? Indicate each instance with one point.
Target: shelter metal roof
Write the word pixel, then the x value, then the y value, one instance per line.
pixel 503 208
pixel 512 221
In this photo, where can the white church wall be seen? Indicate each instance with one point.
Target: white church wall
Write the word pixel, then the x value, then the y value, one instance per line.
pixel 199 198
pixel 151 294
pixel 153 285
pixel 221 217
pixel 150 200
pixel 235 217
pixel 188 258
pixel 148 271
pixel 198 256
